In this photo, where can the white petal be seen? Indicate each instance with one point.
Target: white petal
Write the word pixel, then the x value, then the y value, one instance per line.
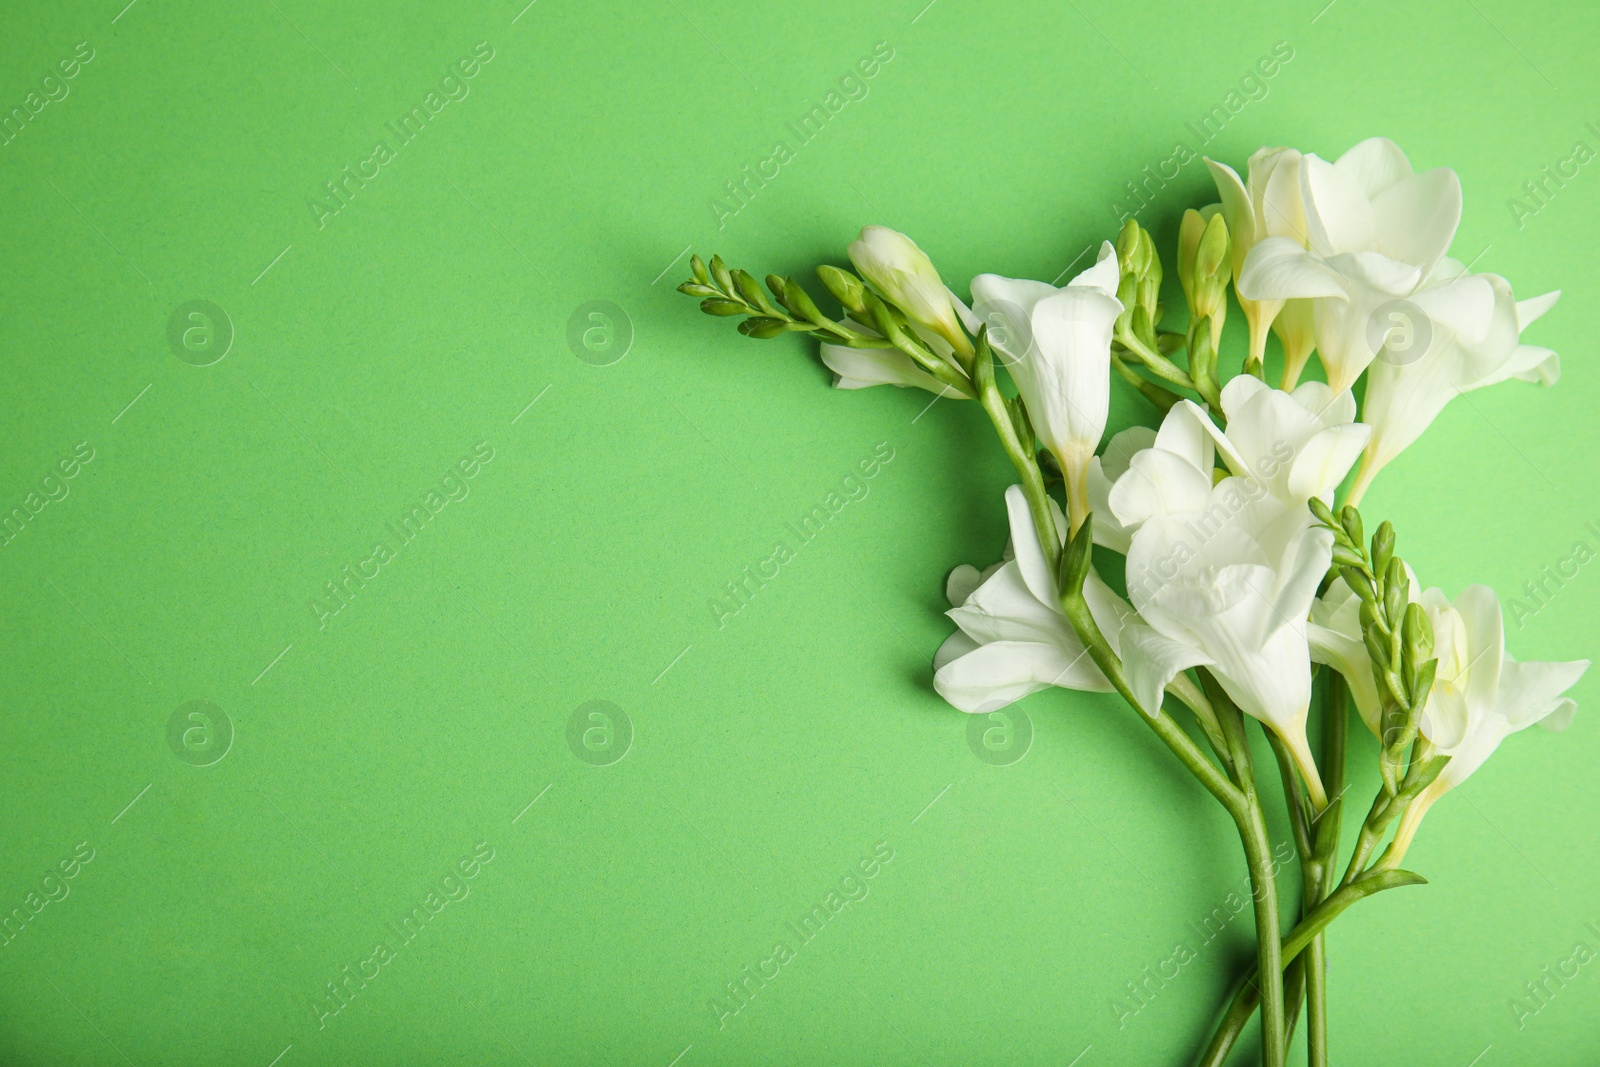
pixel 1527 363
pixel 1030 557
pixel 1479 608
pixel 1104 275
pixel 858 368
pixel 1325 460
pixel 1123 446
pixel 954 647
pixel 1415 219
pixel 1281 211
pixel 1332 409
pixel 995 675
pixel 1532 692
pixel 1108 532
pixel 1187 432
pixel 1237 209
pixel 1239 392
pixel 1158 483
pixel 961 583
pixel 1072 371
pixel 1151 661
pixel 1005 609
pixel 1279 269
pixel 1532 309
pixel 1338 209
pixel 1375 164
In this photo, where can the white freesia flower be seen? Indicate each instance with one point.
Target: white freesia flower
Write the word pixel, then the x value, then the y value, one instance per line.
pixel 893 264
pixel 1057 344
pixel 860 368
pixel 1014 639
pixel 1223 574
pixel 1267 204
pixel 1406 391
pixel 1480 695
pixel 1375 232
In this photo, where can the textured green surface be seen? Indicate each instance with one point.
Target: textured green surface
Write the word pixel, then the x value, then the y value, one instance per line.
pixel 772 754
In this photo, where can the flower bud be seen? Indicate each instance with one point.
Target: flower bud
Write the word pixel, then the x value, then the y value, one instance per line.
pixel 844 286
pixel 893 264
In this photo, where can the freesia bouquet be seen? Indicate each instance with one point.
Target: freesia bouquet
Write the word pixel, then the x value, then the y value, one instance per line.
pixel 1248 591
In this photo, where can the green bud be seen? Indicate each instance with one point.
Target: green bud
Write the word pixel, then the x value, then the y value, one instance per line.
pixel 1021 423
pixel 797 300
pixel 1345 556
pixel 697 266
pixel 1211 258
pixel 1359 584
pixel 719 271
pixel 1423 685
pixel 762 327
pixel 1418 633
pixel 750 289
pixel 1382 547
pixel 1131 249
pixel 844 286
pixel 883 319
pixel 1396 591
pixel 983 363
pixel 696 289
pixel 777 285
pixel 1377 647
pixel 1320 510
pixel 1203 362
pixel 1190 230
pixel 715 306
pixel 1077 560
pixel 1350 520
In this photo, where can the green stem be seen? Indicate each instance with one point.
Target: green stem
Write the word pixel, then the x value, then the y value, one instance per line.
pixel 1088 631
pixel 1247 995
pixel 1263 883
pixel 1335 731
pixel 1022 456
pixel 1159 365
pixel 1160 396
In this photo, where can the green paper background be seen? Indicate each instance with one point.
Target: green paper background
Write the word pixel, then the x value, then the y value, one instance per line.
pixel 772 753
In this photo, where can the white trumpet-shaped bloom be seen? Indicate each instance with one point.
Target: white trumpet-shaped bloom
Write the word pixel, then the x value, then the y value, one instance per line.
pixel 1223 573
pixel 1480 695
pixel 1375 231
pixel 1057 345
pixel 1407 390
pixel 1267 203
pixel 1014 639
